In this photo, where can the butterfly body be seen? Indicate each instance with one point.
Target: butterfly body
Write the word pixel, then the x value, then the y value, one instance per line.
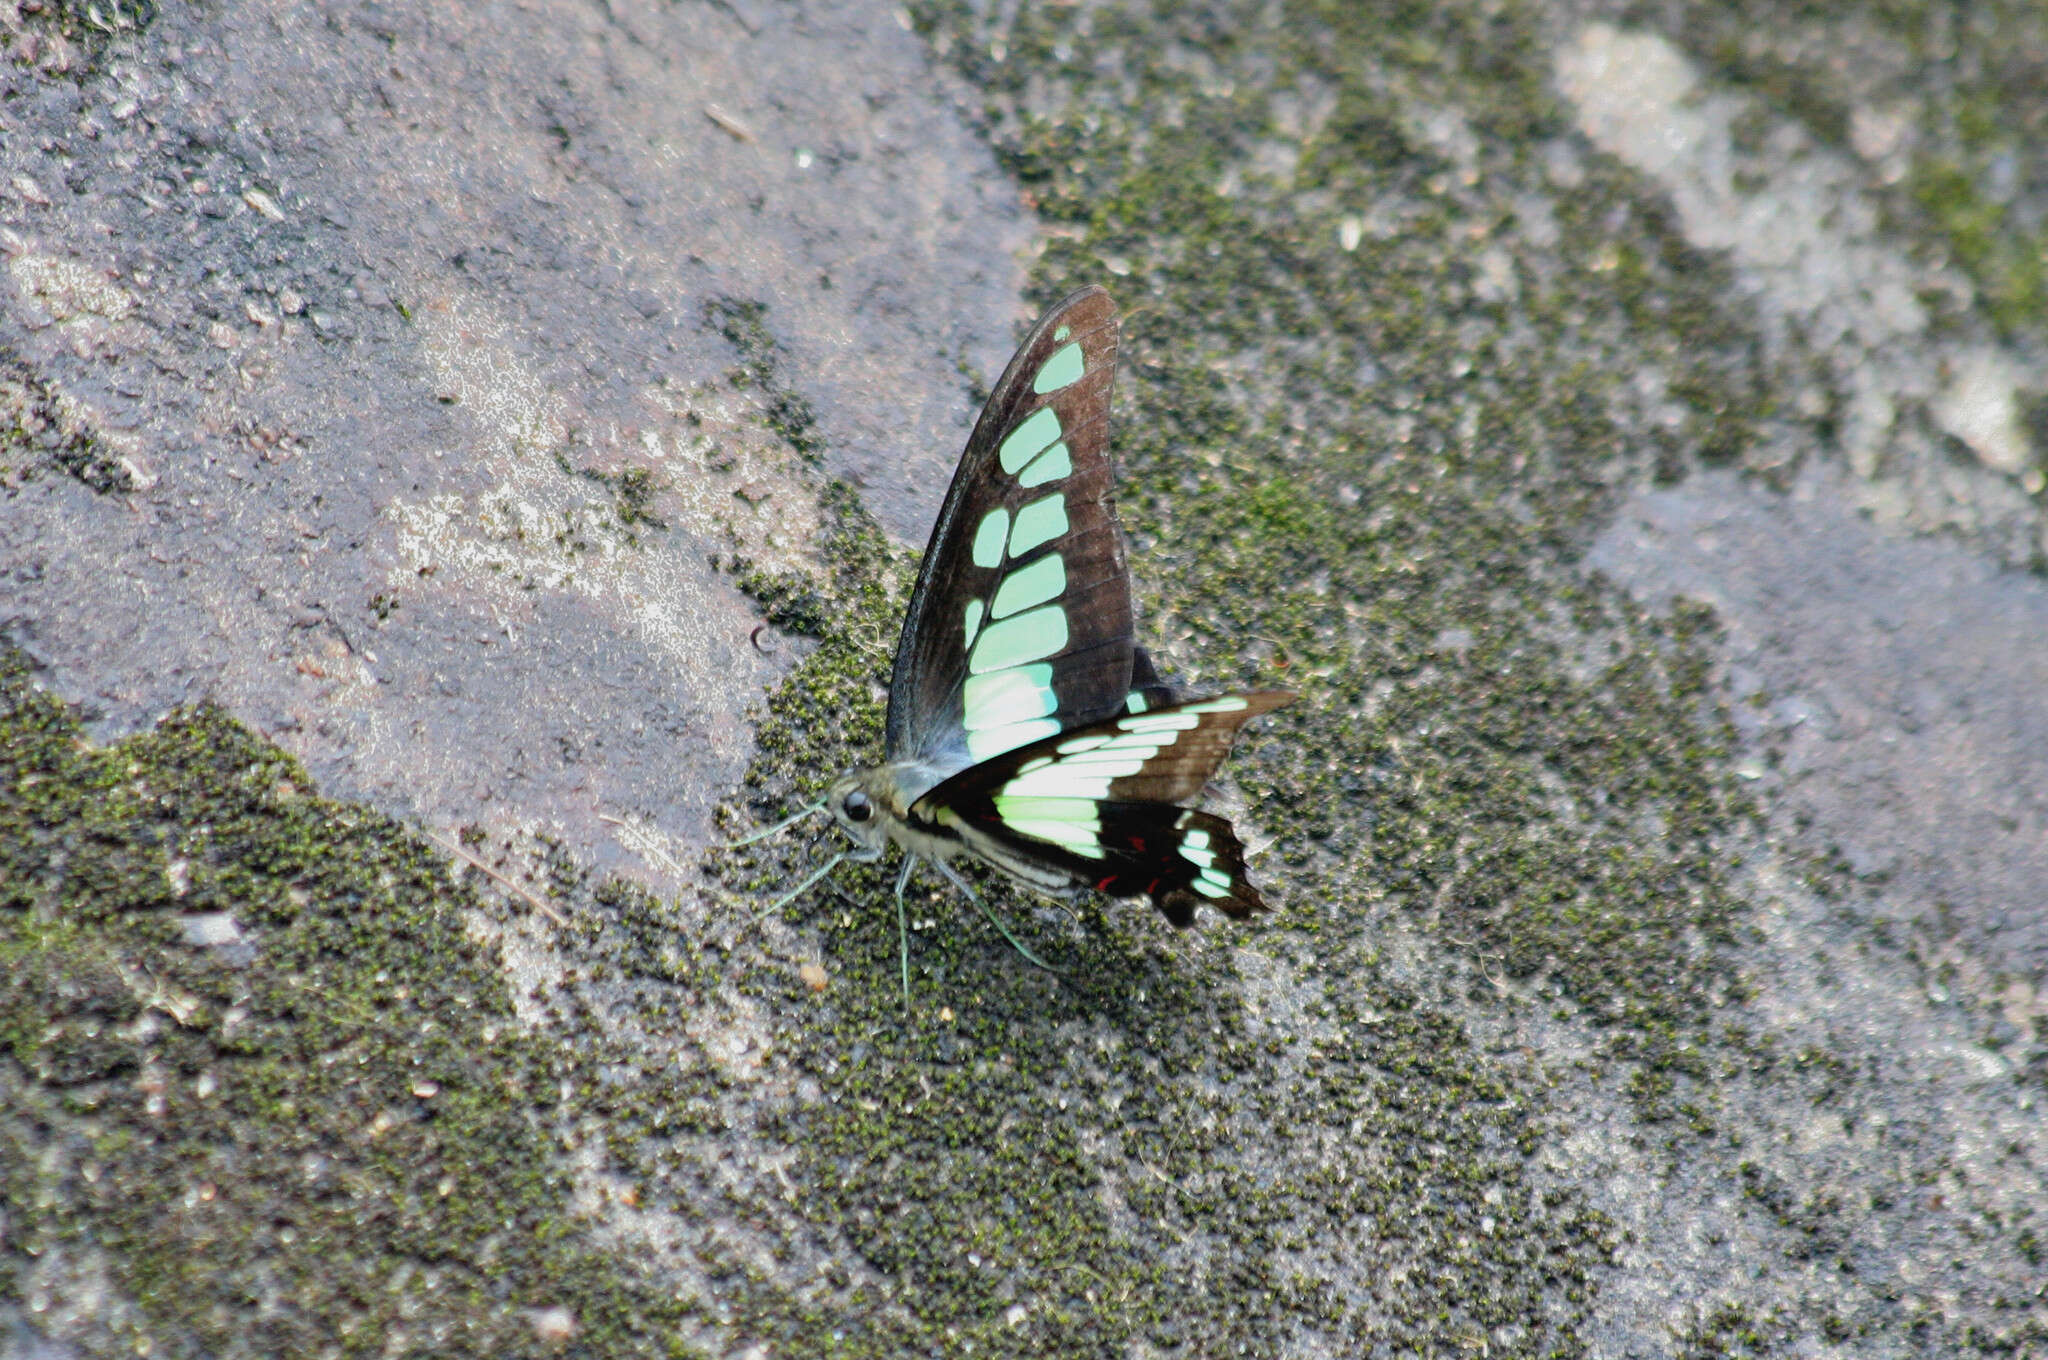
pixel 1026 727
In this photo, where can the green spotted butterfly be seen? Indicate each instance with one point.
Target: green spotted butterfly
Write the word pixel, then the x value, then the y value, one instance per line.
pixel 1026 728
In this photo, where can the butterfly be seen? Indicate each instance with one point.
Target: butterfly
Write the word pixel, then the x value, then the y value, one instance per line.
pixel 1027 729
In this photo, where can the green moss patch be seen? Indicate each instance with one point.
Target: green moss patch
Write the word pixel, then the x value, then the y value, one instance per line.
pixel 256 1067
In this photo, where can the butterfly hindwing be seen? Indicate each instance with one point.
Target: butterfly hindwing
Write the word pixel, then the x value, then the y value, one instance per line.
pixel 1020 626
pixel 1099 807
pixel 1178 857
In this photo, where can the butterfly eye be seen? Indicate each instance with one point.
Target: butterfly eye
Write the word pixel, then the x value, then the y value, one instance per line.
pixel 857 806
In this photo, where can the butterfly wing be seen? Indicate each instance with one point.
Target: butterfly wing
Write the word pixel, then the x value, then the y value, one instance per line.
pixel 1020 626
pixel 1100 807
pixel 1147 691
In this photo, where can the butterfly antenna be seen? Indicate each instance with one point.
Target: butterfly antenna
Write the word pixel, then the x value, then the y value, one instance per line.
pixel 800 889
pixel 993 919
pixel 780 827
pixel 903 928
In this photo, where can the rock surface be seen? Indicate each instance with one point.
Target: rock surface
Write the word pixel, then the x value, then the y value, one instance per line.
pixel 448 452
pixel 361 323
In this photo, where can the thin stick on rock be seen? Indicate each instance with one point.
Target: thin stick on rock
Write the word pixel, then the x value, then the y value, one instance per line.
pixel 534 900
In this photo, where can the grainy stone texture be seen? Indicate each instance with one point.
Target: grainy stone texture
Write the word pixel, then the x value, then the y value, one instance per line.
pixel 355 300
pixel 1622 426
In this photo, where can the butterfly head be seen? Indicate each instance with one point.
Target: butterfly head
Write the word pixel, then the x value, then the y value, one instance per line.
pixel 863 803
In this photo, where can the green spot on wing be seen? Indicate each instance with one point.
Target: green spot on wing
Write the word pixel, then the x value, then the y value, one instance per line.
pixel 1021 445
pixel 1077 812
pixel 1003 697
pixel 991 742
pixel 1049 466
pixel 1027 637
pixel 1085 768
pixel 1027 586
pixel 989 538
pixel 972 624
pixel 1109 761
pixel 1070 822
pixel 1042 521
pixel 1160 722
pixel 1007 709
pixel 1063 369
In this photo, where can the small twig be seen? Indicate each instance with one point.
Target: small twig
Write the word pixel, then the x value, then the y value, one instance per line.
pixel 640 839
pixel 533 900
pixel 728 124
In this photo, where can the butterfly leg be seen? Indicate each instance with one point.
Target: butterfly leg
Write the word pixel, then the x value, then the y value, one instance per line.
pixel 993 919
pixel 903 927
pixel 798 891
pixel 781 826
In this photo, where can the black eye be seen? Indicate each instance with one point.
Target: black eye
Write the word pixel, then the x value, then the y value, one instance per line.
pixel 857 806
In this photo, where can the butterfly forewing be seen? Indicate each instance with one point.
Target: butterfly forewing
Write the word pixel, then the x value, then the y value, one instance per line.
pixel 1020 626
pixel 1098 807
